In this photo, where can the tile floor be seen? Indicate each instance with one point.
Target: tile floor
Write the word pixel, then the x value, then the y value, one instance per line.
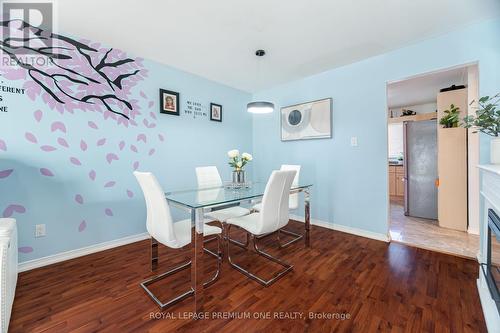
pixel 427 234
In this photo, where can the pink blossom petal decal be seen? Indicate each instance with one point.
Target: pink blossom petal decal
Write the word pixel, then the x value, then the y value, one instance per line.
pixel 48 148
pixel 38 115
pixel 130 194
pixel 133 148
pixel 151 152
pixel 79 199
pixel 110 157
pixel 143 95
pixel 57 125
pixel 141 137
pixel 46 172
pixel 92 174
pixel 5 173
pixel 151 103
pixel 83 145
pixel 30 137
pixel 110 184
pixel 152 115
pixel 11 209
pixel 121 145
pixel 82 226
pixel 25 249
pixel 160 136
pixel 135 166
pixel 75 161
pixel 108 212
pixel 3 145
pixel 62 142
pixel 92 125
pixel 101 142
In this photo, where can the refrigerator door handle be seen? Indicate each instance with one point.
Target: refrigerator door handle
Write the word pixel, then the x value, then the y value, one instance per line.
pixel 405 166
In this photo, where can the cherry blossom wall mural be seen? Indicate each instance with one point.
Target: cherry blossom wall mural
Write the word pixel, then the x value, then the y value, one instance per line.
pixel 79 76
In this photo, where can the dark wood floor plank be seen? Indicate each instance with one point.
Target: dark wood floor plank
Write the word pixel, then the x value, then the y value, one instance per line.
pixel 381 287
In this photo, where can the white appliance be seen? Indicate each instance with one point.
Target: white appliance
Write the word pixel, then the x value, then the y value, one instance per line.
pixel 8 269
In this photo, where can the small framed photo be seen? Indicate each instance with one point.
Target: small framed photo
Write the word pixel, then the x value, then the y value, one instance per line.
pixel 169 102
pixel 215 112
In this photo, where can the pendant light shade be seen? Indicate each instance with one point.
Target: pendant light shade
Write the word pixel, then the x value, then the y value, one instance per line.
pixel 260 107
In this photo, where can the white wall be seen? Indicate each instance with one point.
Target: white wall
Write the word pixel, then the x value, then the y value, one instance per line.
pixel 395 136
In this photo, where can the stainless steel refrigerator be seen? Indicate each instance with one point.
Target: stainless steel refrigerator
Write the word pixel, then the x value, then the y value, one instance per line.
pixel 420 163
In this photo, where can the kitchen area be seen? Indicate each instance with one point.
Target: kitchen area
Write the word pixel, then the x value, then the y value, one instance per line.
pixel 428 162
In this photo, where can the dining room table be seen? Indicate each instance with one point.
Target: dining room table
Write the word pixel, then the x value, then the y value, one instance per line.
pixel 201 200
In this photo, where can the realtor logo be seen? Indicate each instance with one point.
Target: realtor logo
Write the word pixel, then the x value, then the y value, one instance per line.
pixel 23 23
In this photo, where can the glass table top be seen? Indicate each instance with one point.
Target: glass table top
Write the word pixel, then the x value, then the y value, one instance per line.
pixel 213 196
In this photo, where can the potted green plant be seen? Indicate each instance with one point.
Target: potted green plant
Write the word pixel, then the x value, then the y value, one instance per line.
pixel 451 117
pixel 487 121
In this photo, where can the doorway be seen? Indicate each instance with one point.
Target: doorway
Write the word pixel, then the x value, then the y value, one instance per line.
pixel 432 190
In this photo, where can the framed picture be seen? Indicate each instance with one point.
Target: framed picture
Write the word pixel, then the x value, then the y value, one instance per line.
pixel 215 112
pixel 169 102
pixel 311 120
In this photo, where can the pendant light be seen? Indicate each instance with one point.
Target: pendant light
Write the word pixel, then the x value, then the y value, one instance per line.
pixel 260 107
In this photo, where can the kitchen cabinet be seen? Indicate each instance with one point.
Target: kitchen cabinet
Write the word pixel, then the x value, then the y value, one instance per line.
pixel 396 180
pixel 400 182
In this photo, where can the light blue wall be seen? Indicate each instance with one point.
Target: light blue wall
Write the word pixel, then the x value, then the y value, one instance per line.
pixel 350 183
pixel 51 200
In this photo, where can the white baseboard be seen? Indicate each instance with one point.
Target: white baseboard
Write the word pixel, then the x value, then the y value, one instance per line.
pixel 52 259
pixel 473 231
pixel 346 229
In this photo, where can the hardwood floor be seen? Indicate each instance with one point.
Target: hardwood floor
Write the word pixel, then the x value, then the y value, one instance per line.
pixel 369 285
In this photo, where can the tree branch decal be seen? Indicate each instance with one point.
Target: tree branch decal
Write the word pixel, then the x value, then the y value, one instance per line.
pixel 79 75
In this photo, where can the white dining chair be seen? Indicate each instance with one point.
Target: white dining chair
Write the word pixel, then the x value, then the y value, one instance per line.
pixel 163 230
pixel 293 203
pixel 273 216
pixel 208 177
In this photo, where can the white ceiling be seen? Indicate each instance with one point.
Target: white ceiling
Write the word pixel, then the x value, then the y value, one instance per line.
pixel 423 88
pixel 216 39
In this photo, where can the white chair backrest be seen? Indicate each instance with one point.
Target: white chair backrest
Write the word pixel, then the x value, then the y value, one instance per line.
pixel 159 220
pixel 208 176
pixel 275 212
pixel 294 198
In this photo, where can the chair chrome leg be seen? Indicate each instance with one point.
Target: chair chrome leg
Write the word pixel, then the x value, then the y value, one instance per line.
pixel 176 299
pixel 190 292
pixel 296 238
pixel 266 283
pixel 208 240
pixel 234 241
pixel 154 254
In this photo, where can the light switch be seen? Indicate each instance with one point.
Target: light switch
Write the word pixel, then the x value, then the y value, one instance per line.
pixel 354 141
pixel 40 230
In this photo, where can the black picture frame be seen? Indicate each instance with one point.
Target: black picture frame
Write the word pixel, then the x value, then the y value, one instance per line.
pixel 172 110
pixel 216 106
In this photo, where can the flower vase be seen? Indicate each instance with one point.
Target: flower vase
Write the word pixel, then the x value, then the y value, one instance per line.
pixel 238 176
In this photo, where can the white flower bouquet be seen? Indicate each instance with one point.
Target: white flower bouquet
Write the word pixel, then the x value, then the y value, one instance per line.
pixel 237 161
